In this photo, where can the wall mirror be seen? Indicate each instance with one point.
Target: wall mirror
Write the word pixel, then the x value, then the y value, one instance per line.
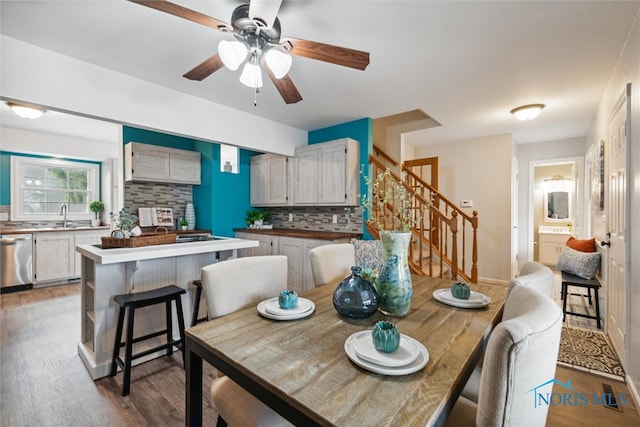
pixel 557 205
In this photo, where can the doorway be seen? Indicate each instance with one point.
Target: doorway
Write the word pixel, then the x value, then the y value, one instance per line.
pixel 555 201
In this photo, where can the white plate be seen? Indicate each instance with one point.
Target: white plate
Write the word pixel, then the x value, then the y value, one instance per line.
pixel 419 362
pixel 476 299
pixel 405 354
pixel 272 306
pixel 263 312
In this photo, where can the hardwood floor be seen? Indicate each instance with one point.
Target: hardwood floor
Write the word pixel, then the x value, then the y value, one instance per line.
pixel 43 382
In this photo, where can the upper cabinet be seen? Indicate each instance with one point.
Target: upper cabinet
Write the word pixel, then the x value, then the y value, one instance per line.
pixel 327 173
pixel 270 181
pixel 152 163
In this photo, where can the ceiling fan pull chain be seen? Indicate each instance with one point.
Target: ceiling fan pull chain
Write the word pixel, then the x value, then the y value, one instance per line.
pixel 255 97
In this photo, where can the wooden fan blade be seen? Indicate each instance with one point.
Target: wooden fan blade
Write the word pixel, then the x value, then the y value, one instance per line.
pixel 264 10
pixel 205 69
pixel 325 52
pixel 285 86
pixel 183 12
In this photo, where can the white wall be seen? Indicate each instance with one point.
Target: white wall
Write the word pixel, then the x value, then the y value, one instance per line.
pixel 480 170
pixel 39 76
pixel 48 144
pixel 627 70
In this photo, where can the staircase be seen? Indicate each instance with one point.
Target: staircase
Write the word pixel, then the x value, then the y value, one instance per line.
pixel 444 239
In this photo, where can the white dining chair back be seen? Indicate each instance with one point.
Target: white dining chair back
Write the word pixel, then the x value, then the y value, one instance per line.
pixel 230 286
pixel 241 282
pixel 519 362
pixel 534 275
pixel 331 263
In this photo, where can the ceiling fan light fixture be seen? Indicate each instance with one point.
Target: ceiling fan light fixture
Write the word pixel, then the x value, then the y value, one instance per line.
pixel 251 75
pixel 232 53
pixel 278 62
pixel 527 112
pixel 25 111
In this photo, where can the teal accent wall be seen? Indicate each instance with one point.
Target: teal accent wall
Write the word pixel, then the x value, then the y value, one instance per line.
pixel 362 131
pixel 5 178
pixel 222 199
pixel 5 172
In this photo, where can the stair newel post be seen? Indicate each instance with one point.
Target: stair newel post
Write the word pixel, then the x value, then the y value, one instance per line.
pixel 453 226
pixel 474 261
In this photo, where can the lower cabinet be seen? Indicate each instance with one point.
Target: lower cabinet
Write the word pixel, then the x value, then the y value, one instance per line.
pixel 265 244
pixel 296 249
pixel 549 247
pixel 54 254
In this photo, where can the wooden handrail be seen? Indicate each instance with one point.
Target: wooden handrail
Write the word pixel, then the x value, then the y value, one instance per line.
pixel 440 242
pixel 380 152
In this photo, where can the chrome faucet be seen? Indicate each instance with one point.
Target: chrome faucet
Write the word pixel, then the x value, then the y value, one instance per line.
pixel 63 212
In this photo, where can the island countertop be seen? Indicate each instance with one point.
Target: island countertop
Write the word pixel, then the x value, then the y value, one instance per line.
pixel 116 255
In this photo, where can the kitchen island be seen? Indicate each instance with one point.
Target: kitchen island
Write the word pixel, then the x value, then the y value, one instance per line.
pixel 109 272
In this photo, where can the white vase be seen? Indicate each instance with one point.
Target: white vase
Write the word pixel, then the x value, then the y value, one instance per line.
pixel 190 216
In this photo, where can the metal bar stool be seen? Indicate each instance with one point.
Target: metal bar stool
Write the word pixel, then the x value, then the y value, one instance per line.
pixel 166 295
pixel 589 284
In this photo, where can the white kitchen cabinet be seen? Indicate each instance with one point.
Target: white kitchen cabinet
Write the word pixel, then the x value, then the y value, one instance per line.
pixel 550 245
pixel 327 173
pixel 53 255
pixel 152 163
pixel 265 246
pixel 270 180
pixel 296 249
pixel 85 238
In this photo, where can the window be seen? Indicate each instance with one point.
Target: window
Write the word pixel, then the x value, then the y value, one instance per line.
pixel 39 188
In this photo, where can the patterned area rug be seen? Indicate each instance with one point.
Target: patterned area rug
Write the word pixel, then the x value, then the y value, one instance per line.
pixel 589 350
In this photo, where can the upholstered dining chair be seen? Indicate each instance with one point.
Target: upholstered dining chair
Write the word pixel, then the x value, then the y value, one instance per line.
pixel 519 362
pixel 534 275
pixel 230 286
pixel 331 263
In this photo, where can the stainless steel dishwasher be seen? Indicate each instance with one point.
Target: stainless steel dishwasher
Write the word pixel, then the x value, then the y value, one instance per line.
pixel 16 256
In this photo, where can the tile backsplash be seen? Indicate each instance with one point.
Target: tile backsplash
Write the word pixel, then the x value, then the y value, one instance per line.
pixel 151 195
pixel 317 218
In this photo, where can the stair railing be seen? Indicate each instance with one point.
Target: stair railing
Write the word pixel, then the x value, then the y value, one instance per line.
pixel 443 237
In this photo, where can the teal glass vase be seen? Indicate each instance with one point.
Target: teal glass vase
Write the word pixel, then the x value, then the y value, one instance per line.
pixel 394 286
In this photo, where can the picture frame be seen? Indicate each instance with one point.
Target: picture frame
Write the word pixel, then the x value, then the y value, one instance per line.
pixel 600 172
pixel 163 216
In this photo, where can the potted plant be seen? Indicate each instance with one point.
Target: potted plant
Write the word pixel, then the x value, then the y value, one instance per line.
pixel 184 223
pixel 256 217
pixel 96 206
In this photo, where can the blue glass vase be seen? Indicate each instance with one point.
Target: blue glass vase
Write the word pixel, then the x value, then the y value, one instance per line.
pixel 355 296
pixel 394 285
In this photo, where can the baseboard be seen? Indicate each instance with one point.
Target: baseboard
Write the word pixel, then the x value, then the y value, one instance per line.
pixel 493 281
pixel 633 390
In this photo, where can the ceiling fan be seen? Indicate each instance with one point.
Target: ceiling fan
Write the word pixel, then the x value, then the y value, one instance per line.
pixel 259 45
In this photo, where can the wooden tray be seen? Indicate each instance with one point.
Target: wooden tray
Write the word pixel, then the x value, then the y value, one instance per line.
pixel 160 237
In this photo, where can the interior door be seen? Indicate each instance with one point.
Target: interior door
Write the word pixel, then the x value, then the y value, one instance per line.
pixel 617 141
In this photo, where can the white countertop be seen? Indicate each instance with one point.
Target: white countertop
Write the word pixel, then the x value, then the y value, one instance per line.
pixel 116 255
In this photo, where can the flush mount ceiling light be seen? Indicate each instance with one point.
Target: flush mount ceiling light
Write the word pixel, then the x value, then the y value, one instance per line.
pixel 527 112
pixel 26 112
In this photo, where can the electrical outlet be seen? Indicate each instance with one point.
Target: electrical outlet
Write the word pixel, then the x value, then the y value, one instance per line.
pixel 466 203
pixel 335 219
pixel 290 217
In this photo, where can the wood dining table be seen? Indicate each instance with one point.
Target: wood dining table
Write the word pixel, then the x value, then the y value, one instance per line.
pixel 300 367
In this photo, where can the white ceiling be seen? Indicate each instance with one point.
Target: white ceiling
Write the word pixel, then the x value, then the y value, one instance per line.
pixel 465 64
